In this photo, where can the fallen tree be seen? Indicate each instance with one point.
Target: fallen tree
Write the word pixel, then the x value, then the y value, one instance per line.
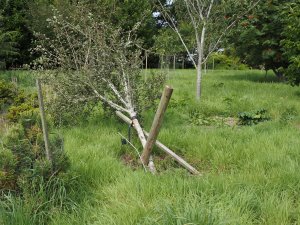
pixel 94 61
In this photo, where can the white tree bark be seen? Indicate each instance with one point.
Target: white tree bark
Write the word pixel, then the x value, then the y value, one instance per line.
pixel 200 47
pixel 199 13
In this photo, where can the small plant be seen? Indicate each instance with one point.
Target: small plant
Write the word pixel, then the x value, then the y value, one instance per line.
pixel 7 94
pixel 198 119
pixel 218 85
pixel 253 118
pixel 289 114
pixel 180 102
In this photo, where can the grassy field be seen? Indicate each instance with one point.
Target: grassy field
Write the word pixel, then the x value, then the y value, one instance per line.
pixel 250 173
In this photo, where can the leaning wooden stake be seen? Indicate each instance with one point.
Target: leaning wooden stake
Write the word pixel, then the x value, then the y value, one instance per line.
pixel 158 119
pixel 43 118
pixel 177 158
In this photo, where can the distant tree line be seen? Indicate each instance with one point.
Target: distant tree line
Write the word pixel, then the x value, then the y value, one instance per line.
pixel 267 37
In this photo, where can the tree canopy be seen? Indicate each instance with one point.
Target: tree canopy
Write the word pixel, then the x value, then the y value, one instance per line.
pixel 265 37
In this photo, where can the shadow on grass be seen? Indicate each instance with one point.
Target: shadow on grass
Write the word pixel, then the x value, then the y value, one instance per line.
pixel 257 77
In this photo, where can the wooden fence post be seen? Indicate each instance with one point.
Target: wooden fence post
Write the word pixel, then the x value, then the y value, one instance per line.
pixel 164 148
pixel 154 131
pixel 44 123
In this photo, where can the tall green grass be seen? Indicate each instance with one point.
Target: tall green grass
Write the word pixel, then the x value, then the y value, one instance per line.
pixel 250 172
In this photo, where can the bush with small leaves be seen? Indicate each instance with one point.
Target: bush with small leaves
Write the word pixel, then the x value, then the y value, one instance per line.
pixel 253 118
pixel 23 160
pixel 7 94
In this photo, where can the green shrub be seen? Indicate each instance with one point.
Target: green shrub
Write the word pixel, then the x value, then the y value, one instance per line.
pixel 223 61
pixel 23 155
pixel 23 160
pixel 8 163
pixel 22 104
pixel 289 114
pixel 7 94
pixel 252 118
pixel 199 119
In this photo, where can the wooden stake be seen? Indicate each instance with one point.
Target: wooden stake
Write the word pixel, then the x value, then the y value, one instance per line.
pixel 158 119
pixel 44 123
pixel 164 148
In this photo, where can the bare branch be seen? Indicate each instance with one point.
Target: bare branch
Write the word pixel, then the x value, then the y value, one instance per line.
pixel 209 9
pixel 174 28
pixel 112 104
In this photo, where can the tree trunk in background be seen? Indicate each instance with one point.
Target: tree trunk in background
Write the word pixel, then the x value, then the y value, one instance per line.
pixel 200 46
pixel 146 60
pixel 174 62
pixel 145 76
pixel 278 74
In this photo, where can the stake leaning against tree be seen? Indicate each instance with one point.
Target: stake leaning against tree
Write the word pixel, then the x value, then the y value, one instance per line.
pixel 164 148
pixel 155 128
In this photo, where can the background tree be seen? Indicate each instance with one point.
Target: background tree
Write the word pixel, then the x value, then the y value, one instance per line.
pixel 7 48
pixel 258 36
pixel 210 20
pixel 14 19
pixel 168 43
pixel 291 41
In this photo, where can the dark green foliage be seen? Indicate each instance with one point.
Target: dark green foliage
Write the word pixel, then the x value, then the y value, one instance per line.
pixel 22 104
pixel 14 20
pixel 15 100
pixel 23 161
pixel 253 118
pixel 227 62
pixel 7 94
pixel 8 48
pixel 258 35
pixel 24 155
pixel 291 42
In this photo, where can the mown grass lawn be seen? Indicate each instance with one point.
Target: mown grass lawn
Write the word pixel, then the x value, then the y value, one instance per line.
pixel 250 173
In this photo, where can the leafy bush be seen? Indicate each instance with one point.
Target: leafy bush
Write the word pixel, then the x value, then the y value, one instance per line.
pixel 22 103
pixel 15 101
pixel 23 154
pixel 289 114
pixel 252 118
pixel 7 94
pixel 223 61
pixel 198 119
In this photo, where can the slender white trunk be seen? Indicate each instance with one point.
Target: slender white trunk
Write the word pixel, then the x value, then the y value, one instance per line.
pixel 200 46
pixel 137 126
pixel 174 62
pixel 138 129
